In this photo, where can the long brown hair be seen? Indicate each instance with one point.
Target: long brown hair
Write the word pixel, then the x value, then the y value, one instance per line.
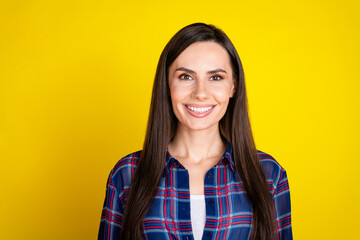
pixel 234 127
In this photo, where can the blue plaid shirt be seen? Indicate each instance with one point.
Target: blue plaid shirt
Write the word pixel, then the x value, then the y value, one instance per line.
pixel 228 210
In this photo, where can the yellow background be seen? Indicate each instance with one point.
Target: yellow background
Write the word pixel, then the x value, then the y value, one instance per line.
pixel 75 86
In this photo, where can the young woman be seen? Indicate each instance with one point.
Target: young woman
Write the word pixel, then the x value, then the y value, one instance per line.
pixel 199 175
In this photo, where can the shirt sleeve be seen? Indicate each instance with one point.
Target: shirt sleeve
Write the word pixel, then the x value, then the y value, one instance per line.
pixel 281 198
pixel 112 214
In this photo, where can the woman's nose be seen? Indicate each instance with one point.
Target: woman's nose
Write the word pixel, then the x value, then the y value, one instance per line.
pixel 200 91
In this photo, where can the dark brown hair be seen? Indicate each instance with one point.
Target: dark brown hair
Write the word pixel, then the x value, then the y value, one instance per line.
pixel 234 127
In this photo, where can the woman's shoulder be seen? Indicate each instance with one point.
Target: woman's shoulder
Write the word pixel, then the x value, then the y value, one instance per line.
pixel 268 161
pixel 274 172
pixel 127 161
pixel 123 171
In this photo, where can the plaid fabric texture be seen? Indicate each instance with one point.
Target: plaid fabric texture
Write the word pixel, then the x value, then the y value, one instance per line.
pixel 228 210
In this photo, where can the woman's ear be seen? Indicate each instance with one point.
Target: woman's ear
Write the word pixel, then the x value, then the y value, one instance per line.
pixel 233 88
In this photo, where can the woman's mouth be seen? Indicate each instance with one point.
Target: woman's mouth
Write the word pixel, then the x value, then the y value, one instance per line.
pixel 199 111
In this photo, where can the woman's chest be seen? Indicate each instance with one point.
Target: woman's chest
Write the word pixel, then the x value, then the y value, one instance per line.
pixel 227 209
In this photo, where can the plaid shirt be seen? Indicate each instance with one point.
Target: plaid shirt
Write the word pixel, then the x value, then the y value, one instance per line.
pixel 228 210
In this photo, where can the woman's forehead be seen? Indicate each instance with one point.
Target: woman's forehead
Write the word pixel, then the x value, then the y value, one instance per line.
pixel 203 55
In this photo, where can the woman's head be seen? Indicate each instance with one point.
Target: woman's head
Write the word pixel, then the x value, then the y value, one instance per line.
pixel 201 84
pixel 189 36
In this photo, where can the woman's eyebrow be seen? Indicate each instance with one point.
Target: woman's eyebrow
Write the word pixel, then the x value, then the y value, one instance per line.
pixel 193 72
pixel 185 70
pixel 216 71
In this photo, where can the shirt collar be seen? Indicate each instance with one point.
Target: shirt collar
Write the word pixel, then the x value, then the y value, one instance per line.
pixel 227 157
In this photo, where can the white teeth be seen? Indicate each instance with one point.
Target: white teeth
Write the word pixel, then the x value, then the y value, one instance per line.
pixel 199 110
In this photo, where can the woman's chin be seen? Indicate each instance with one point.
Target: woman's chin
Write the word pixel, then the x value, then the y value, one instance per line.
pixel 200 126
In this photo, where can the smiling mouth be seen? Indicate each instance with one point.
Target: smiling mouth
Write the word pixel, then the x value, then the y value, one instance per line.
pixel 199 109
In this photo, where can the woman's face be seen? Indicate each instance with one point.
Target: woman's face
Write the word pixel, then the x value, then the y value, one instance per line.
pixel 201 84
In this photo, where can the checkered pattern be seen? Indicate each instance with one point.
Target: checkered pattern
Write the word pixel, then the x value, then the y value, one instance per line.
pixel 228 210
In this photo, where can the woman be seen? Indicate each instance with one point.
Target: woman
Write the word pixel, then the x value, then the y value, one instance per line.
pixel 199 175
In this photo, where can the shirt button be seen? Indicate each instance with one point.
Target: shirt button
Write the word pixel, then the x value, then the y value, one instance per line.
pixel 184 208
pixel 211 203
pixel 209 234
pixel 210 175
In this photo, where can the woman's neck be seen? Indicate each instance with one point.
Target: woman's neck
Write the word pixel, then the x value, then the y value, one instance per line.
pixel 197 145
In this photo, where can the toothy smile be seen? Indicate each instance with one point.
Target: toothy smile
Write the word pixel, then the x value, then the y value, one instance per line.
pixel 199 109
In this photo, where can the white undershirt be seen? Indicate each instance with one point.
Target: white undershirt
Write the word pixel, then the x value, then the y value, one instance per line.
pixel 198 215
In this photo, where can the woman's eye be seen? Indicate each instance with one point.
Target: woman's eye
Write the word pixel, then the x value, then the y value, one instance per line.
pixel 216 78
pixel 185 77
